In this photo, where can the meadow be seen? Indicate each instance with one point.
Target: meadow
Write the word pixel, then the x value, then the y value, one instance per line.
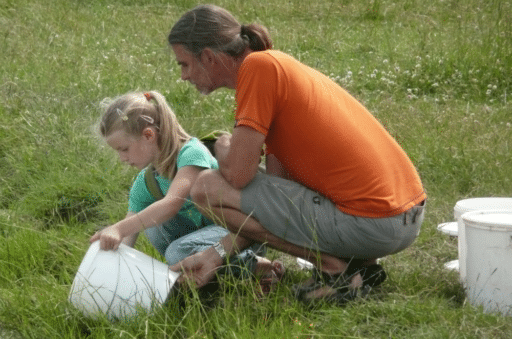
pixel 437 74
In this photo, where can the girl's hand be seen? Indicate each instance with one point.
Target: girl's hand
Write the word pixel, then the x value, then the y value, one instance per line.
pixel 109 238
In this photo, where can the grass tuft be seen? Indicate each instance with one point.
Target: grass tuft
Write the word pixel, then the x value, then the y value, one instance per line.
pixel 437 74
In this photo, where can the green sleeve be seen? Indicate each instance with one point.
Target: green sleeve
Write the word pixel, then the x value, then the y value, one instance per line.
pixel 139 198
pixel 194 153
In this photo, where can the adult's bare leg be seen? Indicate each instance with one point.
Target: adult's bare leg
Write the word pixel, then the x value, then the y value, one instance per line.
pixel 214 195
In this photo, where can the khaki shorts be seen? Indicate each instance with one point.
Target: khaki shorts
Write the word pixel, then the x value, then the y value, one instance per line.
pixel 303 217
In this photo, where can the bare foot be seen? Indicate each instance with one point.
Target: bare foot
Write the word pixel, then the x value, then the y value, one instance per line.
pixel 269 274
pixel 263 267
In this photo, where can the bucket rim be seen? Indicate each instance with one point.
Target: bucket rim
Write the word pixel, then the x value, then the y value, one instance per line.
pixel 471 219
pixel 460 205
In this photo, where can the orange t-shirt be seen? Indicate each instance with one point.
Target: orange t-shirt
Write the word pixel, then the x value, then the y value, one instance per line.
pixel 324 138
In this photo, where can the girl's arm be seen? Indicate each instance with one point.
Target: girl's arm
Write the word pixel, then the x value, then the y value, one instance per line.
pixel 155 214
pixel 131 239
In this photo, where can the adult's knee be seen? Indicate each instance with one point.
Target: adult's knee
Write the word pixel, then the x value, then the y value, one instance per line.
pixel 202 187
pixel 212 190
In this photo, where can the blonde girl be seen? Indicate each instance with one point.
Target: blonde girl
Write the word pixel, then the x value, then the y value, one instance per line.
pixel 144 131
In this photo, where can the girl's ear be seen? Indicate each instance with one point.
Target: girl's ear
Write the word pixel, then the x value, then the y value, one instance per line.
pixel 148 133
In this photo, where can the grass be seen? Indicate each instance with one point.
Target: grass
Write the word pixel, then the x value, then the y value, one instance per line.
pixel 436 74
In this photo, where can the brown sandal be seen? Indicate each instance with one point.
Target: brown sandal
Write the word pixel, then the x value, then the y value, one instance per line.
pixel 337 285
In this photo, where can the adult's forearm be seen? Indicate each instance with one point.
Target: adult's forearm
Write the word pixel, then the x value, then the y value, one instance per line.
pixel 226 167
pixel 239 155
pixel 275 168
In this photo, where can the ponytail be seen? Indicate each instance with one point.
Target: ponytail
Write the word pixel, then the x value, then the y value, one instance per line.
pixel 210 26
pixel 133 112
pixel 171 137
pixel 257 37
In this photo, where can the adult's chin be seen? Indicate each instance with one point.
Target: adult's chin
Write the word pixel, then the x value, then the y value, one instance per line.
pixel 204 91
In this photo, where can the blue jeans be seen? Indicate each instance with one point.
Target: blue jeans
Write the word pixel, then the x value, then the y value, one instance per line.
pixel 179 238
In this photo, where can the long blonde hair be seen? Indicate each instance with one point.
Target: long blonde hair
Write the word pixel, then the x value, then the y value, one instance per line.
pixel 133 112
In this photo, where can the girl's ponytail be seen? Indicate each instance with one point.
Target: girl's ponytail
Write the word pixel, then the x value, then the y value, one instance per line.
pixel 171 136
pixel 133 112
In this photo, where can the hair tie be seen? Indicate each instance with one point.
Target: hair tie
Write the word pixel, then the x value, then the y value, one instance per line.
pixel 242 34
pixel 148 96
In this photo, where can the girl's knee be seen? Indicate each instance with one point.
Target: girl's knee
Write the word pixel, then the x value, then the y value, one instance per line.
pixel 195 242
pixel 176 253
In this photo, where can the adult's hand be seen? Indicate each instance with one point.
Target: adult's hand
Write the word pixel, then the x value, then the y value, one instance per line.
pixel 240 155
pixel 221 146
pixel 198 268
pixel 109 238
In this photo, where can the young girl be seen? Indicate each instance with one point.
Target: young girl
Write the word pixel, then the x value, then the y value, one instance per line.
pixel 144 131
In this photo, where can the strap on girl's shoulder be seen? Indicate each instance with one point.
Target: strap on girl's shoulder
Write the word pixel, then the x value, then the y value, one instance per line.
pixel 152 184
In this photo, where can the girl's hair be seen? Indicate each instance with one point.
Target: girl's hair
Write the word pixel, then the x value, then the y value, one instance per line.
pixel 133 112
pixel 210 26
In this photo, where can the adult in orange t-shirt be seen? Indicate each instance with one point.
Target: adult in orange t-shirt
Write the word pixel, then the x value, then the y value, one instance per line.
pixel 339 191
pixel 324 138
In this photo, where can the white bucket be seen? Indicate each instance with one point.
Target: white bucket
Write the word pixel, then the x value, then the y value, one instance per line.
pixel 450 228
pixel 469 205
pixel 119 283
pixel 489 259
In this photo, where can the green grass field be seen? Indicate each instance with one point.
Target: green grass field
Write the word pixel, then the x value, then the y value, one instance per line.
pixel 437 74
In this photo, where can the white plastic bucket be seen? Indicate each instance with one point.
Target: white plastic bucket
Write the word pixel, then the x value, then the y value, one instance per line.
pixel 450 228
pixel 489 259
pixel 119 283
pixel 470 205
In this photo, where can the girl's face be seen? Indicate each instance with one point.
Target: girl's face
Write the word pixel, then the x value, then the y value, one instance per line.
pixel 135 151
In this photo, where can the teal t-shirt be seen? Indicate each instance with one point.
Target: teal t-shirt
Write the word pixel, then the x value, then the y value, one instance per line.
pixel 193 153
